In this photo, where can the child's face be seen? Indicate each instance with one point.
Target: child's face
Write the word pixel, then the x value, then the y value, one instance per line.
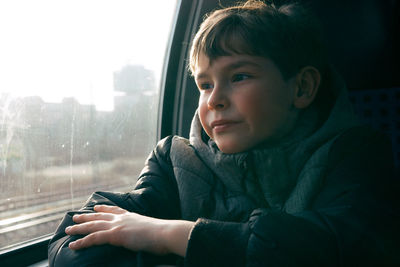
pixel 244 101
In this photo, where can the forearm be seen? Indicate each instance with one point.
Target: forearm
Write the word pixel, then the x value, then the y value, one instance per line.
pixel 175 236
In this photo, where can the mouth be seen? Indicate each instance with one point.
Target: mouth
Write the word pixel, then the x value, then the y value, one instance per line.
pixel 222 125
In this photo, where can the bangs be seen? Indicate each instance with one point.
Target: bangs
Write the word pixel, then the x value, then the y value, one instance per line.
pixel 228 37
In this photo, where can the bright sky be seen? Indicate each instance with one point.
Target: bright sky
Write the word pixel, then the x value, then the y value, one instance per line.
pixel 70 48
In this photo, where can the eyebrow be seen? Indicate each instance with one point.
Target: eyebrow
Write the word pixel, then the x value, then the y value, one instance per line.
pixel 241 63
pixel 232 66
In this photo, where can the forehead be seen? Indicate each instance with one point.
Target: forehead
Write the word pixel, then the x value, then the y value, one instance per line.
pixel 206 66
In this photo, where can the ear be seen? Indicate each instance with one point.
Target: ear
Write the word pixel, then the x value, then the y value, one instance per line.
pixel 307 84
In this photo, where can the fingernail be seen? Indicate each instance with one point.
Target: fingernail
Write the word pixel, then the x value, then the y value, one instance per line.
pixel 71 245
pixel 67 229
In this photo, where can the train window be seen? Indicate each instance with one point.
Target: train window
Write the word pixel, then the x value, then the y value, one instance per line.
pixel 79 98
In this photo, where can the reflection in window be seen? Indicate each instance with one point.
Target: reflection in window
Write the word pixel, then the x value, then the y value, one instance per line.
pixel 79 89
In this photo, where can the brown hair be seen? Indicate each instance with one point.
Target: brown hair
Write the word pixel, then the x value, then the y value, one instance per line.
pixel 288 35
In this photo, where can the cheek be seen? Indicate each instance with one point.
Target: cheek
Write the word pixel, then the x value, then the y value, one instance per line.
pixel 251 105
pixel 264 111
pixel 203 113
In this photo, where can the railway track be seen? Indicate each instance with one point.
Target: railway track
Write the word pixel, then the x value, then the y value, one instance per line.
pixel 18 202
pixel 27 217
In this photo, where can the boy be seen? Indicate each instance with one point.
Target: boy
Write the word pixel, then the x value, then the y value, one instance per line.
pixel 277 170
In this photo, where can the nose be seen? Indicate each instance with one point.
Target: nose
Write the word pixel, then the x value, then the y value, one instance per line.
pixel 218 99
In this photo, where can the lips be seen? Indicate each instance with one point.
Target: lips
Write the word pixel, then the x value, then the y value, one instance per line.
pixel 222 125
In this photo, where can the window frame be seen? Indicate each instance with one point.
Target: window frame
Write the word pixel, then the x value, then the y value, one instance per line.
pixel 25 254
pixel 174 78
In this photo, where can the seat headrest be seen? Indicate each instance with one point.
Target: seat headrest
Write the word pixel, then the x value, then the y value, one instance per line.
pixel 363 39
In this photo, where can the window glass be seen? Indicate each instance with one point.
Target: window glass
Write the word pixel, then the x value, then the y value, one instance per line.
pixel 79 91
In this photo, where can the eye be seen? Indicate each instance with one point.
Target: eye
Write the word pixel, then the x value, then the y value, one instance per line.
pixel 205 86
pixel 240 77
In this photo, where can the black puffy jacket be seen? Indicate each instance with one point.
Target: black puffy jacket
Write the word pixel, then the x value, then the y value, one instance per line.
pixel 353 220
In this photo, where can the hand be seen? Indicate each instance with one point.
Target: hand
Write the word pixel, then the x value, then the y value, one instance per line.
pixel 115 226
pixel 118 227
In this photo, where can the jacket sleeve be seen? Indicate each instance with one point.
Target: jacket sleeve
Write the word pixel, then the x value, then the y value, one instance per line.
pixel 353 221
pixel 155 195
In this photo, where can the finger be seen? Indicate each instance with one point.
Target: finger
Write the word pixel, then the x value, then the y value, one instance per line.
pixel 87 217
pixel 87 228
pixel 96 238
pixel 109 209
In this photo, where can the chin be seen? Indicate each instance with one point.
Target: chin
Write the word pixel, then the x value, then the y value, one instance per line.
pixel 229 148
